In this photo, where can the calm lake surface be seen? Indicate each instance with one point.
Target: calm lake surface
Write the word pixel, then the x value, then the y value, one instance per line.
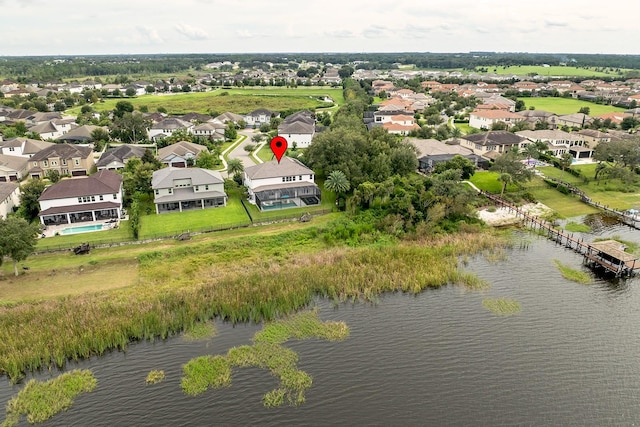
pixel 438 358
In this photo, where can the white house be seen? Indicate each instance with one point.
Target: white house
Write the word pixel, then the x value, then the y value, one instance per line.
pixel 298 128
pixel 558 141
pixel 181 189
pixel 288 184
pixel 23 147
pixel 485 119
pixel 89 199
pixel 260 116
pixel 167 127
pixel 9 197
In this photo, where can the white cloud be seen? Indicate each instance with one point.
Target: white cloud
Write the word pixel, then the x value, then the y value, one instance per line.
pixel 244 34
pixel 192 33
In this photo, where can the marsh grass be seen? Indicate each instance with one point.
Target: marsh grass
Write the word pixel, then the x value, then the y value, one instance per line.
pixel 182 285
pixel 154 377
pixel 576 227
pixel 502 306
pixel 268 353
pixel 40 401
pixel 572 274
pixel 200 331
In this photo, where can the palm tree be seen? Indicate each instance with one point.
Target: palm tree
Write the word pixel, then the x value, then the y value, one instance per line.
pixel 505 179
pixel 338 183
pixel 565 161
pixel 234 167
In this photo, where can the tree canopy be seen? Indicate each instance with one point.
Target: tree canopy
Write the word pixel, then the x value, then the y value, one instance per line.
pixel 17 239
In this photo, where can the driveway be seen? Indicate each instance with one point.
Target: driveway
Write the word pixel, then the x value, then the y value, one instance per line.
pixel 239 153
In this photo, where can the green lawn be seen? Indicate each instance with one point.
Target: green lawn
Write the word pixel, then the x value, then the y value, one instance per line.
pixel 464 128
pixel 555 71
pixel 609 192
pixel 565 206
pixel 240 101
pixel 563 106
pixel 197 220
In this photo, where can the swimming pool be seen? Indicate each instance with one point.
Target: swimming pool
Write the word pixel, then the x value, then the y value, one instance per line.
pixel 81 229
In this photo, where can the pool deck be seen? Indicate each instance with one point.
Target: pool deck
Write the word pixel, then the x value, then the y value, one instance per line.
pixel 51 230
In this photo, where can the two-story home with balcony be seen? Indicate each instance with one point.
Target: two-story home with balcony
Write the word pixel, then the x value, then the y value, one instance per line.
pixel 93 199
pixel 181 189
pixel 288 184
pixel 260 116
pixel 67 159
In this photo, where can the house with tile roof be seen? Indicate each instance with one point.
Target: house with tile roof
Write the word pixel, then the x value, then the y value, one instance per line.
pixel 9 198
pixel 288 184
pixel 182 189
pixel 93 199
pixel 67 159
pixel 181 154
pixel 485 119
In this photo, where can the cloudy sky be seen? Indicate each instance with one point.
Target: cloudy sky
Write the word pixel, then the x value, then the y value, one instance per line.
pixel 74 27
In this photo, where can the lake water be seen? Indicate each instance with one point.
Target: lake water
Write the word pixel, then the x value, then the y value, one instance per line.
pixel 438 358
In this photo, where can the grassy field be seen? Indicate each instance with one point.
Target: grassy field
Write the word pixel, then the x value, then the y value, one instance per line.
pixel 563 205
pixel 609 192
pixel 563 106
pixel 552 71
pixel 464 128
pixel 240 101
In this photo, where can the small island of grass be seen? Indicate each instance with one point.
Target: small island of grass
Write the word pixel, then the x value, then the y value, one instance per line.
pixel 572 274
pixel 200 331
pixel 155 376
pixel 266 353
pixel 502 306
pixel 40 401
pixel 576 227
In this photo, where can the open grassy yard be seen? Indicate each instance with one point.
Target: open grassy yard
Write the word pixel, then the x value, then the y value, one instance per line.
pixel 565 206
pixel 609 192
pixel 202 219
pixel 464 128
pixel 563 106
pixel 240 101
pixel 122 233
pixel 552 71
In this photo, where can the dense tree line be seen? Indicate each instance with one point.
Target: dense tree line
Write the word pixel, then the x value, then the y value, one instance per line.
pixel 37 69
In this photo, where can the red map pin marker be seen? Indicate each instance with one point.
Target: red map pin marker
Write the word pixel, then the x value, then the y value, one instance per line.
pixel 278 146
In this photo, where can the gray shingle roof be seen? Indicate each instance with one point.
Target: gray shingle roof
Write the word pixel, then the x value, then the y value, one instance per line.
pixel 63 151
pixel 181 148
pixel 164 178
pixel 6 188
pixel 273 169
pixel 498 137
pixel 120 154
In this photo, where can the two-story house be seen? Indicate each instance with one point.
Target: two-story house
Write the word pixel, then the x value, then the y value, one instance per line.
pixel 260 116
pixel 298 128
pixel 490 144
pixel 116 158
pixel 288 184
pixel 94 199
pixel 168 126
pixel 9 197
pixel 558 141
pixel 67 159
pixel 23 147
pixel 181 189
pixel 485 119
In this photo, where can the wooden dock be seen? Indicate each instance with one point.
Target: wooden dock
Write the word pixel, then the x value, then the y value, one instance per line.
pixel 597 255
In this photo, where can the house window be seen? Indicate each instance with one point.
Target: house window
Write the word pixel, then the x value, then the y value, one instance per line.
pixel 79 199
pixel 206 187
pixel 12 149
pixel 283 179
pixel 101 198
pixel 76 162
pixel 64 162
pixel 157 192
pixel 45 163
pixel 170 190
pixel 35 163
pixel 54 163
pixel 300 177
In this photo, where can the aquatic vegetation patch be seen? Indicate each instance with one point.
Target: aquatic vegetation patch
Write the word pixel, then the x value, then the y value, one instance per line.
pixel 49 333
pixel 266 353
pixel 200 331
pixel 572 274
pixel 40 401
pixel 576 227
pixel 155 376
pixel 502 306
